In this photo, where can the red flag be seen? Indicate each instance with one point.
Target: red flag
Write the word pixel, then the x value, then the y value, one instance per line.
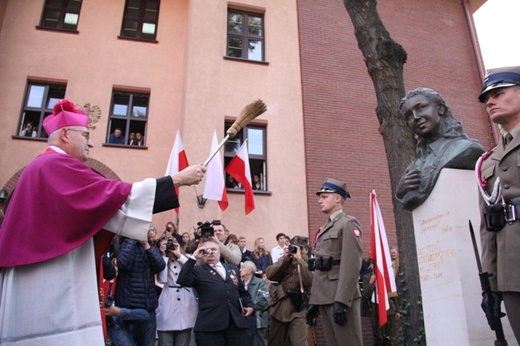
pixel 215 186
pixel 178 160
pixel 380 253
pixel 239 169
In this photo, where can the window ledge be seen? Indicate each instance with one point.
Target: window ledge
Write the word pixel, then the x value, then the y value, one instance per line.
pixel 136 39
pixel 256 192
pixel 74 32
pixel 37 139
pixel 246 60
pixel 126 146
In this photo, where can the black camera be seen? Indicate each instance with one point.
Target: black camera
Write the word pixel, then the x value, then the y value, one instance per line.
pixel 207 251
pixel 108 302
pixel 170 245
pixel 292 248
pixel 205 229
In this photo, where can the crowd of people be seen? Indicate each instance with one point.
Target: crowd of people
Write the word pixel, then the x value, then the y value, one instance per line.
pixel 134 138
pixel 257 183
pixel 172 277
pixel 207 288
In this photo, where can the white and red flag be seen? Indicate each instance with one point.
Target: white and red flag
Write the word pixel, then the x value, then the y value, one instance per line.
pixel 178 160
pixel 380 253
pixel 239 169
pixel 215 186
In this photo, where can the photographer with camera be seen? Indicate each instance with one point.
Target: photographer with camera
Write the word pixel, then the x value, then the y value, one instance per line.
pixel 117 318
pixel 218 233
pixel 289 295
pixel 170 231
pixel 177 310
pixel 224 303
pixel 137 263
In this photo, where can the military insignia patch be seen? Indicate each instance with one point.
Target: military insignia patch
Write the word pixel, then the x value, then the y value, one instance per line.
pixel 357 232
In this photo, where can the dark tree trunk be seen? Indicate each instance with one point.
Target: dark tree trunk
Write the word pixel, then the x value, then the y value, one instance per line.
pixel 384 59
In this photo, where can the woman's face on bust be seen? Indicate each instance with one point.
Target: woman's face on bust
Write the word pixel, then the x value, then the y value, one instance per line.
pixel 423 116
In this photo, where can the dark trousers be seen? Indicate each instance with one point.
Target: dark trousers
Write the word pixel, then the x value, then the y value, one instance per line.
pixel 144 333
pixel 231 336
pixel 512 304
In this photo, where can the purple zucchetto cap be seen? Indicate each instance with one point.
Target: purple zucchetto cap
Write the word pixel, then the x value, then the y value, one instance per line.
pixel 65 114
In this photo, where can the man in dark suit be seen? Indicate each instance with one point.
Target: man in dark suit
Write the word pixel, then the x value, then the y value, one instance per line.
pixel 224 303
pixel 246 254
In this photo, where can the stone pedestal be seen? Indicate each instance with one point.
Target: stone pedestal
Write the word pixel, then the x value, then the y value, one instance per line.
pixel 448 271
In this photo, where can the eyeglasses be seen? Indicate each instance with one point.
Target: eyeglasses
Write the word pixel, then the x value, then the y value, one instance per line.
pixel 85 134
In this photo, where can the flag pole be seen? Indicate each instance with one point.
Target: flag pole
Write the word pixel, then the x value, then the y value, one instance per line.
pixel 216 150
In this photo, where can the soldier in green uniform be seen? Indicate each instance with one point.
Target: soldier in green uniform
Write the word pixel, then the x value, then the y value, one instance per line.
pixel 498 171
pixel 335 293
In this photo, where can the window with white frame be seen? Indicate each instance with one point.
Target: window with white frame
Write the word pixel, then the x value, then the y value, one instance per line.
pixel 256 145
pixel 39 102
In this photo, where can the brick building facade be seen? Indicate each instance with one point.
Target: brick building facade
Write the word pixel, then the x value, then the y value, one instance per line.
pixel 320 121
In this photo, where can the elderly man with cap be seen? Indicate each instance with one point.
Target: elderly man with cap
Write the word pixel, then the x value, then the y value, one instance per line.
pixel 335 294
pixel 498 172
pixel 50 238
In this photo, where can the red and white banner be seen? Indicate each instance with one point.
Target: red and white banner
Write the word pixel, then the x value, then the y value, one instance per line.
pixel 178 160
pixel 215 186
pixel 380 253
pixel 239 169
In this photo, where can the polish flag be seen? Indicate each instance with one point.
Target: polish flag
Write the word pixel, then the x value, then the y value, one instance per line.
pixel 215 186
pixel 380 253
pixel 239 169
pixel 178 160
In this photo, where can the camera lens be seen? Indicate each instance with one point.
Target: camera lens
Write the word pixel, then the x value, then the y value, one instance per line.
pixel 108 302
pixel 208 251
pixel 292 248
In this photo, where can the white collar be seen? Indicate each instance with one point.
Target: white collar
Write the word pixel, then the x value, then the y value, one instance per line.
pixel 57 149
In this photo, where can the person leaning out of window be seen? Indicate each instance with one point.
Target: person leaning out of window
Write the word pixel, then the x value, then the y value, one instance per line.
pixel 28 130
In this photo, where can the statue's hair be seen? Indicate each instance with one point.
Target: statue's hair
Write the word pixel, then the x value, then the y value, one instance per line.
pixel 453 127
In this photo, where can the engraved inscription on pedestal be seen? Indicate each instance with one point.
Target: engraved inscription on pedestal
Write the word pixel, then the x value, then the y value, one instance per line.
pixel 448 271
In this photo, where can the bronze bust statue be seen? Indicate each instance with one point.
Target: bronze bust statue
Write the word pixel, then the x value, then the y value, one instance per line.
pixel 442 143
